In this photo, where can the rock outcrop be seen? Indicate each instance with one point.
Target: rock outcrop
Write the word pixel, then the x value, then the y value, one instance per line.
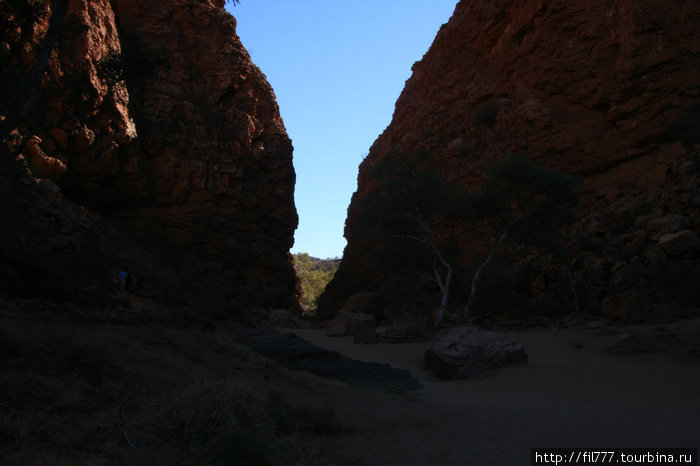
pixel 608 92
pixel 462 352
pixel 296 353
pixel 349 323
pixel 152 113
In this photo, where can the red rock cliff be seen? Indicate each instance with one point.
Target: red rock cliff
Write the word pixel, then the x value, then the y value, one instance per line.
pixel 590 88
pixel 152 112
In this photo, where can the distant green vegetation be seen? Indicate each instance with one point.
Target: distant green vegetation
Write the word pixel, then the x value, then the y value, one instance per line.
pixel 314 275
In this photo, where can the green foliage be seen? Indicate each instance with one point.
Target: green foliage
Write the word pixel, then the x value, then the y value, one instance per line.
pixel 136 64
pixel 410 191
pixel 505 291
pixel 415 214
pixel 527 203
pixel 541 200
pixel 410 183
pixel 520 186
pixel 412 214
pixel 111 68
pixel 314 274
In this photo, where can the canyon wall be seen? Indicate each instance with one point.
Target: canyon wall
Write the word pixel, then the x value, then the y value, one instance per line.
pixel 153 114
pixel 607 91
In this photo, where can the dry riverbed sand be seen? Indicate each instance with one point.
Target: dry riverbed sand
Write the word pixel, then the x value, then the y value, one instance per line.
pixel 572 392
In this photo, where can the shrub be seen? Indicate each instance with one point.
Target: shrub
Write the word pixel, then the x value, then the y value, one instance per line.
pixel 485 114
pixel 314 274
pixel 225 418
pixel 238 425
pixel 290 419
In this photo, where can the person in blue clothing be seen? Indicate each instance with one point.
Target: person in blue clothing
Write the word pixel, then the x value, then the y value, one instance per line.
pixel 124 281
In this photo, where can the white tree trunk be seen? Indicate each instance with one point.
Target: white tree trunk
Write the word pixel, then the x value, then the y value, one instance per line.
pixel 482 267
pixel 444 285
pixel 573 289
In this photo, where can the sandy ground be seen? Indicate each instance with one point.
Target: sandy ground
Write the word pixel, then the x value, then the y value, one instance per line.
pixel 571 393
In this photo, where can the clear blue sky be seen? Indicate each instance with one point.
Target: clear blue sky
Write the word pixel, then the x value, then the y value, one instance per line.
pixel 337 68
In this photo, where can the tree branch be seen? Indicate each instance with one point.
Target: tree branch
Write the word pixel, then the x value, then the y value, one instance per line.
pixel 443 284
pixel 487 261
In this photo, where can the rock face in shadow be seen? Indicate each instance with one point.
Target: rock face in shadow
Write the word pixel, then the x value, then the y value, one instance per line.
pixel 603 91
pixel 153 113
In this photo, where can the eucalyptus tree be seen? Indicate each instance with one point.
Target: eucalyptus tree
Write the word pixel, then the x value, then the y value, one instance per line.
pixel 521 201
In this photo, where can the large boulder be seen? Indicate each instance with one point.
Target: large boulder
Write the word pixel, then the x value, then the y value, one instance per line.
pixel 633 306
pixel 668 224
pixel 297 354
pixel 350 323
pixel 679 243
pixel 364 303
pixel 467 351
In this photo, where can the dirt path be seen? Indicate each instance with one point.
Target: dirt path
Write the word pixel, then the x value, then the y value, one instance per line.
pixel 571 393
